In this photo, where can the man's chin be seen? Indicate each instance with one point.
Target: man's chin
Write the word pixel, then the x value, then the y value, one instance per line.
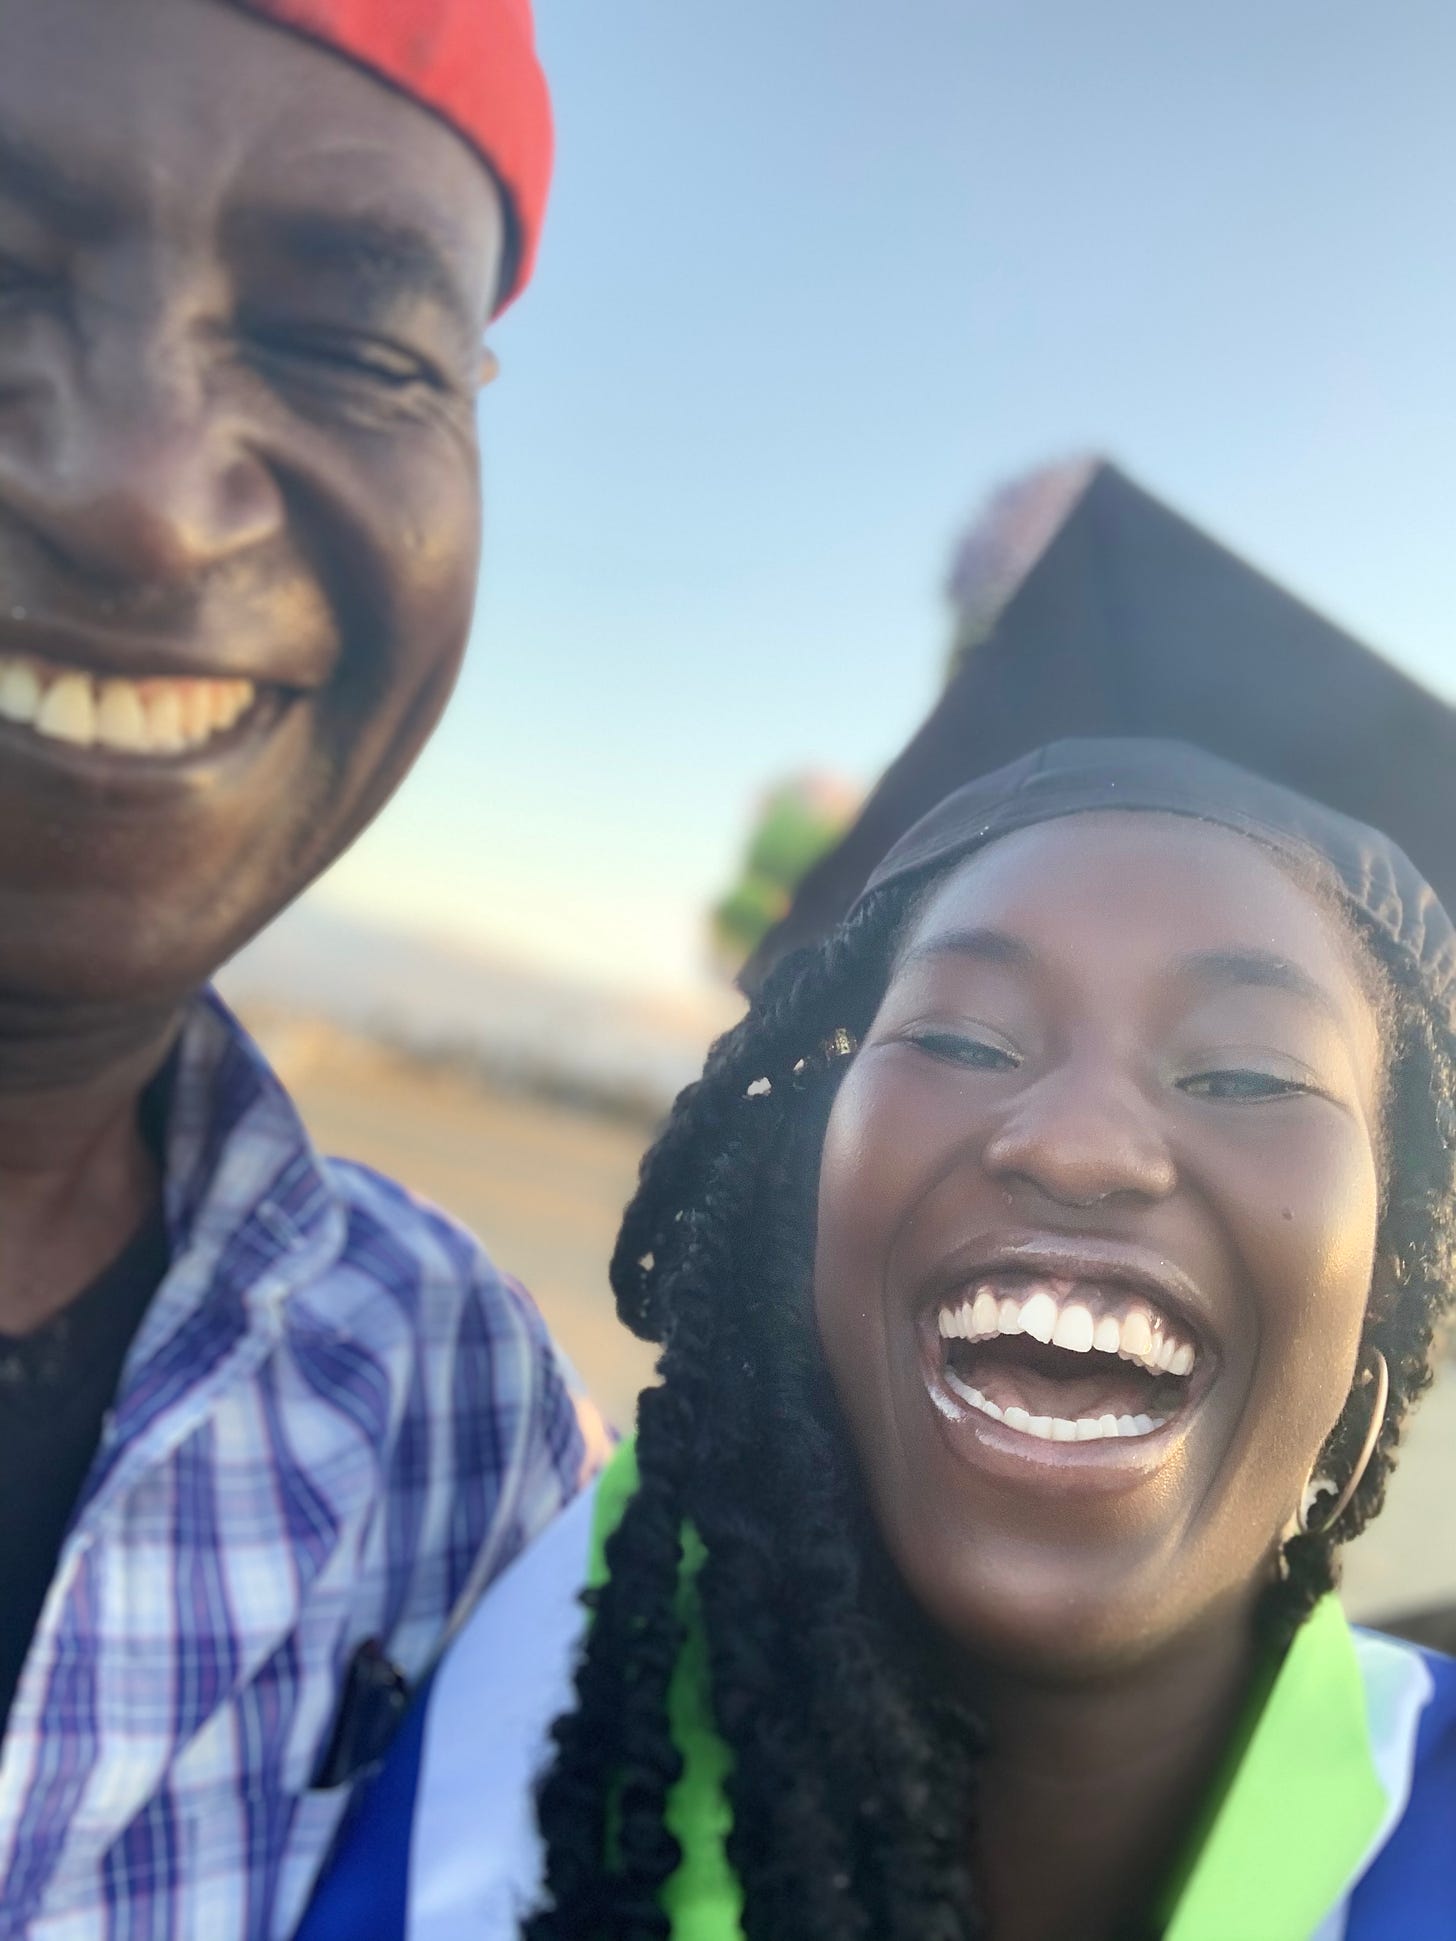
pixel 109 951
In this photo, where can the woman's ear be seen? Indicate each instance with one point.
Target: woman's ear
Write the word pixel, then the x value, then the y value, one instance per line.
pixel 489 367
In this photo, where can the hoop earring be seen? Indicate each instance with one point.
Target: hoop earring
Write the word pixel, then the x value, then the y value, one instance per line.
pixel 1367 1450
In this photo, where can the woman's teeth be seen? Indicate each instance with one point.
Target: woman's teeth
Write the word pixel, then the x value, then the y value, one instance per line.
pixel 1050 1313
pixel 146 717
pixel 1058 1428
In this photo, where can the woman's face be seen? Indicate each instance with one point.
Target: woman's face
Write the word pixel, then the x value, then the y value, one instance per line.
pixel 1096 1224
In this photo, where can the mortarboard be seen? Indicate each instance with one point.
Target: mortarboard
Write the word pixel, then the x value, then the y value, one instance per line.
pixel 1086 607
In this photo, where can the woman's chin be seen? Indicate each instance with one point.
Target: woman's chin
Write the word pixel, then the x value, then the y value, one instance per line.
pixel 1044 1606
pixel 1055 1626
pixel 1056 1621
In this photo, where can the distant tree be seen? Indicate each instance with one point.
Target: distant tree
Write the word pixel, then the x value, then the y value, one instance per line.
pixel 795 823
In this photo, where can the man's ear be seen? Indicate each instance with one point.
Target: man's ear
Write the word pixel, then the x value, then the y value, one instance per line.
pixel 489 367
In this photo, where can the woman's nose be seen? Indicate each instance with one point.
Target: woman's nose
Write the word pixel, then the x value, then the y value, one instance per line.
pixel 132 470
pixel 1080 1137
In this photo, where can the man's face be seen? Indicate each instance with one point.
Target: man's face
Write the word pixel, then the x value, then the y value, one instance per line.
pixel 242 291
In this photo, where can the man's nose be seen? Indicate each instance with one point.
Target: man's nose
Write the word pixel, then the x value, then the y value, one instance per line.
pixel 137 473
pixel 1081 1135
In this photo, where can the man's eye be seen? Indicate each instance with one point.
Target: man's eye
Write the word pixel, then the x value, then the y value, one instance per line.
pixel 336 353
pixel 956 1048
pixel 1240 1084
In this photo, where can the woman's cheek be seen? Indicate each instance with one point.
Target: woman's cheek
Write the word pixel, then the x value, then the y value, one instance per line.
pixel 849 1179
pixel 870 1175
pixel 886 1137
pixel 1311 1252
pixel 1320 1211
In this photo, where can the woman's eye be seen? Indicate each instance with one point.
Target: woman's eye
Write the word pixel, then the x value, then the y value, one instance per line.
pixel 958 1049
pixel 1239 1084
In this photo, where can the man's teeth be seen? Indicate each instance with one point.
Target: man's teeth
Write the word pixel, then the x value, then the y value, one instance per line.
pixel 1133 1331
pixel 147 717
pixel 1057 1428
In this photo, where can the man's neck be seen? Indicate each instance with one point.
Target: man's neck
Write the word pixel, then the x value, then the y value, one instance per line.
pixel 77 1177
pixel 1090 1793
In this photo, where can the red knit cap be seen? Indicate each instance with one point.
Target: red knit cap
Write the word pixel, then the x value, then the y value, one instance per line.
pixel 471 61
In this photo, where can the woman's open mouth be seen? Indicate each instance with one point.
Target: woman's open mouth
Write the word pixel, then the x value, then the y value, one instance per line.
pixel 1064 1361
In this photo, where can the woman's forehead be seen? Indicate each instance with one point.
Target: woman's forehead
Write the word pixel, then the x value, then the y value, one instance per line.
pixel 1163 883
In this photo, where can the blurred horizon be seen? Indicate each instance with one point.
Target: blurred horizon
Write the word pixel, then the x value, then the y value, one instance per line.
pixel 816 281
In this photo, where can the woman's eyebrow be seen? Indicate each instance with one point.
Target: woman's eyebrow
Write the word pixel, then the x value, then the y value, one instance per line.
pixel 985 945
pixel 1263 969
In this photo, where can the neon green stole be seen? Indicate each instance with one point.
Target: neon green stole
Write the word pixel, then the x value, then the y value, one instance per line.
pixel 1283 1843
pixel 703 1897
pixel 1303 1804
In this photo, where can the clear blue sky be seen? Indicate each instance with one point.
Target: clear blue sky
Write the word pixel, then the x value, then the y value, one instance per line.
pixel 818 275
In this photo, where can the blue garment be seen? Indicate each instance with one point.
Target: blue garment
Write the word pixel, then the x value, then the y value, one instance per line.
pixel 444 1847
pixel 336 1423
pixel 1409 1892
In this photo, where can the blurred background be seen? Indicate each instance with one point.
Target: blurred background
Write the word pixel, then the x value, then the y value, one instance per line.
pixel 818 279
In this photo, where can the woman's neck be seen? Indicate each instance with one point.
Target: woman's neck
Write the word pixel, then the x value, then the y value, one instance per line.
pixel 1091 1791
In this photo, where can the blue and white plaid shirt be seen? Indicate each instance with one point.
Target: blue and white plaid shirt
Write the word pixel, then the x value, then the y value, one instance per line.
pixel 336 1423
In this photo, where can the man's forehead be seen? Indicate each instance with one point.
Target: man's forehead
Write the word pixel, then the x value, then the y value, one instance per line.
pixel 185 103
pixel 150 81
pixel 471 62
pixel 203 120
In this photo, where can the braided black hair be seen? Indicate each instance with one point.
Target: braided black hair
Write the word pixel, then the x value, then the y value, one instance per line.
pixel 852 1767
pixel 1414 1280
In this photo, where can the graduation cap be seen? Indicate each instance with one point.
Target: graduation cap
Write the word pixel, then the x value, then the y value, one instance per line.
pixel 1084 606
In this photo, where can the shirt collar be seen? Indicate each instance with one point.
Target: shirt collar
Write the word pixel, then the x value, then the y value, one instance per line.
pixel 252 1222
pixel 1303 1804
pixel 236 1148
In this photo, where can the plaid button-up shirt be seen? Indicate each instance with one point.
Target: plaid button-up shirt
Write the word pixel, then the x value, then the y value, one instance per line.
pixel 336 1423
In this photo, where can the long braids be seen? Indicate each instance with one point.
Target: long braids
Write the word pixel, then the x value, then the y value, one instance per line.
pixel 1414 1282
pixel 852 1782
pixel 713 1260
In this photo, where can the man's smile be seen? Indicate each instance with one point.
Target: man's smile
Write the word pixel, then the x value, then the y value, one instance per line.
pixel 84 705
pixel 153 718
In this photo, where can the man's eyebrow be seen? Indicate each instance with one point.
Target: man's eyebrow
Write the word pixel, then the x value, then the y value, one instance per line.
pixel 369 251
pixel 1265 970
pixel 29 175
pixel 986 945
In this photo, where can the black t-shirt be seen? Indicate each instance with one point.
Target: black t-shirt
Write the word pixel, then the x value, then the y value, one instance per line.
pixel 55 1388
